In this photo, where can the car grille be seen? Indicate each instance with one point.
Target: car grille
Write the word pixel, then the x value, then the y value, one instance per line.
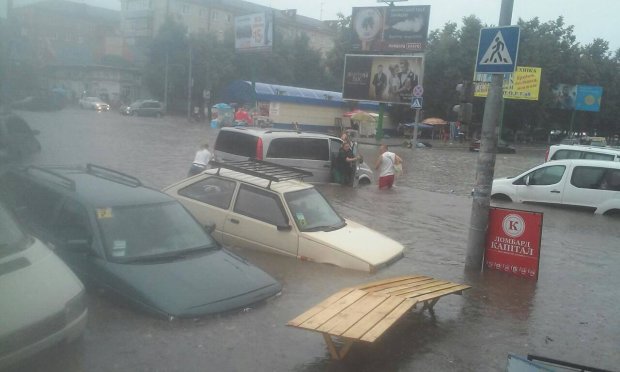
pixel 27 336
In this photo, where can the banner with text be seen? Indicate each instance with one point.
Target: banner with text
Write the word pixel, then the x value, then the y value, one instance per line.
pixel 388 79
pixel 524 83
pixel 254 33
pixel 390 29
pixel 513 242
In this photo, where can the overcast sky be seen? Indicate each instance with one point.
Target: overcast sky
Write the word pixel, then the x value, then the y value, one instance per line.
pixel 591 19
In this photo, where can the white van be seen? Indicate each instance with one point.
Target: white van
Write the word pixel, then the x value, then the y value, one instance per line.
pixel 593 184
pixel 312 152
pixel 42 301
pixel 559 152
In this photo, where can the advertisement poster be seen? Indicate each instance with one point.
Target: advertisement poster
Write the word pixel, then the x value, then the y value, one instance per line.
pixel 254 33
pixel 390 29
pixel 564 96
pixel 388 79
pixel 513 242
pixel 588 98
pixel 524 83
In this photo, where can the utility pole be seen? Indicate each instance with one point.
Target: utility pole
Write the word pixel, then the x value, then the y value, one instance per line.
pixel 486 162
pixel 189 83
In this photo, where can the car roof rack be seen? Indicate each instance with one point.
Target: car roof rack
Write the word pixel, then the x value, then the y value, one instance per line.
pixel 56 177
pixel 263 169
pixel 112 175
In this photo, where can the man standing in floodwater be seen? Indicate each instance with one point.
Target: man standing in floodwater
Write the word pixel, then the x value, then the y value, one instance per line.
pixel 385 164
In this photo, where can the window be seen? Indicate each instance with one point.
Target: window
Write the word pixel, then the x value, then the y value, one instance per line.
pixel 334 147
pixel 312 212
pixel 72 222
pixel 299 148
pixel 213 191
pixel 597 156
pixel 260 204
pixel 545 176
pixel 566 154
pixel 587 177
pixel 236 143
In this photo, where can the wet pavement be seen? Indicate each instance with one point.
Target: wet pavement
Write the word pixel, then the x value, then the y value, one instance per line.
pixel 571 313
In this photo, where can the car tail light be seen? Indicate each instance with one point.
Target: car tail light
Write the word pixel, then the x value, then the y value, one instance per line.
pixel 547 154
pixel 259 149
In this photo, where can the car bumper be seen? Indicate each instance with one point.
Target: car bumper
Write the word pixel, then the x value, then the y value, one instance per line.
pixel 70 332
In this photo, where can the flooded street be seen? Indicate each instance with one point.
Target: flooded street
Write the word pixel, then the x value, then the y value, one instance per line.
pixel 571 313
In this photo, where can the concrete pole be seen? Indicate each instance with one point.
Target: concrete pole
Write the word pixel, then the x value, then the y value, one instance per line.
pixel 485 167
pixel 189 83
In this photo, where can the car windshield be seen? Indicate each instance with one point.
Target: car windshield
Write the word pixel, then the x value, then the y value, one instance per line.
pixel 148 231
pixel 312 212
pixel 12 239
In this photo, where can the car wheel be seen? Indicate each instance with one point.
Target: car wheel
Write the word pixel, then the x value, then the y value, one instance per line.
pixel 502 197
pixel 363 181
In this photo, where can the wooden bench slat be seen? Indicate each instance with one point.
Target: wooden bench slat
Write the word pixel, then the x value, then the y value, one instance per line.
pixel 375 286
pixel 442 293
pixel 329 312
pixel 416 293
pixel 352 314
pixel 383 325
pixel 319 307
pixel 422 286
pixel 408 287
pixel 372 318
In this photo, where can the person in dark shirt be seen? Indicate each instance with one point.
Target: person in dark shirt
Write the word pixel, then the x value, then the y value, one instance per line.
pixel 379 81
pixel 345 164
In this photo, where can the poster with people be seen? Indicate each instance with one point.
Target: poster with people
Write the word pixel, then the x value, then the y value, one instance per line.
pixel 388 79
pixel 564 96
pixel 390 28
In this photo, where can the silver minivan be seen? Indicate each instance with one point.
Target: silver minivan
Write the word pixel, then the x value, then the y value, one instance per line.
pixel 42 301
pixel 313 152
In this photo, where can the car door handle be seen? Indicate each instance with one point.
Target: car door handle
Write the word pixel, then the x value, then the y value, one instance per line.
pixel 234 220
pixel 555 191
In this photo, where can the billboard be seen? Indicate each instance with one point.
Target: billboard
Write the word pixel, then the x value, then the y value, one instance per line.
pixel 513 242
pixel 524 83
pixel 254 33
pixel 390 28
pixel 388 79
pixel 577 97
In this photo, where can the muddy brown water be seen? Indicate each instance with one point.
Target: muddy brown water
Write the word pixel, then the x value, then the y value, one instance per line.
pixel 571 313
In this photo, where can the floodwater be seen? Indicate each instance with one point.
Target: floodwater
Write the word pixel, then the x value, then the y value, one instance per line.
pixel 571 313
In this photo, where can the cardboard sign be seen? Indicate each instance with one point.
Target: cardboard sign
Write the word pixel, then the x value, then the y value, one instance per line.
pixel 513 242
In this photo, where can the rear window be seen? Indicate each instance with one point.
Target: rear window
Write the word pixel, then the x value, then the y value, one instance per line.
pixel 236 143
pixel 299 148
pixel 596 178
pixel 597 156
pixel 566 154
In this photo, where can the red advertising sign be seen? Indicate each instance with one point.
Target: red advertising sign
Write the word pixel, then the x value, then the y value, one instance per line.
pixel 513 241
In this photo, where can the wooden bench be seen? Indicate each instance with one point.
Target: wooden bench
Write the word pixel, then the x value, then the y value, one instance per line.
pixel 366 312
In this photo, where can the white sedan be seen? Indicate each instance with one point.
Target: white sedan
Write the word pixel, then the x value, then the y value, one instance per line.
pixel 287 217
pixel 94 103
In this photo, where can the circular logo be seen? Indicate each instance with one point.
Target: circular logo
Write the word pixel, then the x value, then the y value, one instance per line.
pixel 418 90
pixel 590 100
pixel 513 225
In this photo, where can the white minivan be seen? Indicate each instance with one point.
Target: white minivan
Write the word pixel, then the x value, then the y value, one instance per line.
pixel 560 152
pixel 592 184
pixel 42 302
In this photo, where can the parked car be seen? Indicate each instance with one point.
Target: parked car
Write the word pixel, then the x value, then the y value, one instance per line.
pixel 257 206
pixel 559 152
pixel 597 141
pixel 144 108
pixel 42 300
pixel 94 103
pixel 313 152
pixel 593 184
pixel 136 242
pixel 502 147
pixel 17 140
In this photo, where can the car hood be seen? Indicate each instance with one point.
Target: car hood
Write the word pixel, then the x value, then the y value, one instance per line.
pixel 201 284
pixel 359 241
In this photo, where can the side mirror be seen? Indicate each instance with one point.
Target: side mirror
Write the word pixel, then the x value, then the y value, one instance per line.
pixel 527 180
pixel 285 227
pixel 209 228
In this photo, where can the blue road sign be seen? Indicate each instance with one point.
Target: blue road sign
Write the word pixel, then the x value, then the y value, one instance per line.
pixel 588 98
pixel 497 50
pixel 416 103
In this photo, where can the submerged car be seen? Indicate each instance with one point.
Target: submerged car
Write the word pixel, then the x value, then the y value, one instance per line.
pixel 263 206
pixel 94 103
pixel 591 184
pixel 144 108
pixel 134 241
pixel 42 300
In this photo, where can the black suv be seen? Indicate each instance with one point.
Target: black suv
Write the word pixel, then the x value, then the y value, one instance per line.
pixel 137 242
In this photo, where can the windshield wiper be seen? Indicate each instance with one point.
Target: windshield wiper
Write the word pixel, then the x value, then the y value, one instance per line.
pixel 326 228
pixel 169 256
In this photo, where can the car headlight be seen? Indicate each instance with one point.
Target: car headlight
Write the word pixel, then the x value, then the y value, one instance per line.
pixel 75 306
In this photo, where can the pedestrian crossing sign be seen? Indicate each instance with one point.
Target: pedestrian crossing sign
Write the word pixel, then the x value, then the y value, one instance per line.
pixel 416 103
pixel 497 50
